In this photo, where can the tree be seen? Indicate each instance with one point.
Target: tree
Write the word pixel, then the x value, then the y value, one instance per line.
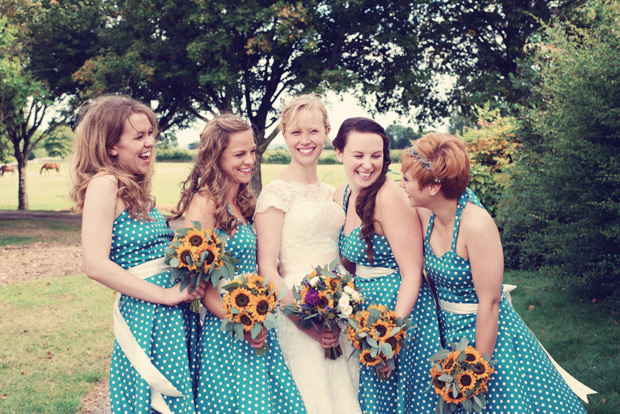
pixel 401 136
pixel 23 104
pixel 563 207
pixel 198 58
pixel 59 142
pixel 478 44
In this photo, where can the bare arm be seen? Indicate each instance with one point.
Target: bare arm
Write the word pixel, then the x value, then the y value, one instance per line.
pixel 100 207
pixel 484 248
pixel 401 226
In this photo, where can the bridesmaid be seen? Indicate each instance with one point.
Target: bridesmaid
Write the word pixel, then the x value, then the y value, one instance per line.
pixel 463 257
pixel 382 236
pixel 123 243
pixel 232 378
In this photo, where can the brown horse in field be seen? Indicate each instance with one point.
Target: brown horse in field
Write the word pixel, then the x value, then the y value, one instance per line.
pixel 7 168
pixel 49 166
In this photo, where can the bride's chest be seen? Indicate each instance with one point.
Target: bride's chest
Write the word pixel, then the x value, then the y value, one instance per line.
pixel 314 217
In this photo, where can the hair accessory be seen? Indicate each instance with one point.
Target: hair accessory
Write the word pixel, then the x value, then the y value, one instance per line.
pixel 424 163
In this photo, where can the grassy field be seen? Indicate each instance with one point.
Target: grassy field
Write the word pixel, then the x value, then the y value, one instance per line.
pixel 50 191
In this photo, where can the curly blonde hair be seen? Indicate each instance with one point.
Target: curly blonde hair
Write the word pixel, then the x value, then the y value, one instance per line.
pixel 100 126
pixel 208 179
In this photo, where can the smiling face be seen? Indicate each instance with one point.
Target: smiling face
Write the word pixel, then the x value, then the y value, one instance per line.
pixel 305 136
pixel 134 149
pixel 416 195
pixel 239 157
pixel 362 157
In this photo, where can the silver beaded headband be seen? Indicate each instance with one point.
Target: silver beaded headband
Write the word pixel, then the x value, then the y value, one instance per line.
pixel 424 163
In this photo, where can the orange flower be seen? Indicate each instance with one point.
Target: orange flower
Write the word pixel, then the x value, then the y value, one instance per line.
pixel 246 319
pixel 460 397
pixel 240 297
pixel 324 301
pixel 380 330
pixel 482 369
pixel 449 362
pixel 186 254
pixel 472 356
pixel 466 381
pixel 195 237
pixel 367 359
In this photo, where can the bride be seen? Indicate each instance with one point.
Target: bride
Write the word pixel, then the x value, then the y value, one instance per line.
pixel 297 225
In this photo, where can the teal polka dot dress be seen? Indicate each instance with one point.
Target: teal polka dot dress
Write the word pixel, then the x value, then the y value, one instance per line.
pixel 525 381
pixel 159 330
pixel 406 390
pixel 232 378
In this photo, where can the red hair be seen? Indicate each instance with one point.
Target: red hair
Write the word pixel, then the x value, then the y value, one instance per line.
pixel 448 161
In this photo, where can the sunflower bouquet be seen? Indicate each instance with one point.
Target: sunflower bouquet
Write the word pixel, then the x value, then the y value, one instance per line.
pixel 250 304
pixel 197 254
pixel 378 335
pixel 324 299
pixel 460 376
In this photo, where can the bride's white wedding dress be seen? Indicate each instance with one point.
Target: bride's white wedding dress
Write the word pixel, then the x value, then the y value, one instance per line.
pixel 312 223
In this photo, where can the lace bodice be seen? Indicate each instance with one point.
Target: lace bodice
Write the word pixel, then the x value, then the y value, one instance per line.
pixel 312 220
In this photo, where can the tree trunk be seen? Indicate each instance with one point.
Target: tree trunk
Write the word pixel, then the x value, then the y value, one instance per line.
pixel 257 178
pixel 23 204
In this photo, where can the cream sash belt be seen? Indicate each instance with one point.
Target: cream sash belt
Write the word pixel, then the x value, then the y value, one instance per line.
pixel 137 357
pixel 577 387
pixel 369 272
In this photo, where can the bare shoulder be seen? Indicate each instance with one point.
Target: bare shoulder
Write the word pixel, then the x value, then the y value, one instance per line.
pixel 476 221
pixel 202 200
pixel 391 194
pixel 103 183
pixel 339 193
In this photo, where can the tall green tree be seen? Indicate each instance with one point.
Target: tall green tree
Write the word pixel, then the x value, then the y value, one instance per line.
pixel 562 211
pixel 198 58
pixel 59 142
pixel 401 136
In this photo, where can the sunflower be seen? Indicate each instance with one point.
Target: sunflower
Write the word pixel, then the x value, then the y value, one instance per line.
pixel 312 274
pixel 394 343
pixel 213 255
pixel 240 297
pixel 362 319
pixel 255 282
pixel 472 356
pixel 260 306
pixel 482 369
pixel 324 301
pixel 245 319
pixel 367 359
pixel 186 254
pixel 448 397
pixel 450 361
pixel 195 237
pixel 438 385
pixel 482 386
pixel 333 283
pixel 226 304
pixel 380 330
pixel 466 380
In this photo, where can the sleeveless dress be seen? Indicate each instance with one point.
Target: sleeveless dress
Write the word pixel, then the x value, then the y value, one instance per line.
pixel 163 332
pixel 312 223
pixel 232 378
pixel 525 380
pixel 407 388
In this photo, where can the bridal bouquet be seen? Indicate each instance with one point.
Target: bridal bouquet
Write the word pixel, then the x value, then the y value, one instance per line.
pixel 377 335
pixel 460 376
pixel 198 254
pixel 250 305
pixel 325 298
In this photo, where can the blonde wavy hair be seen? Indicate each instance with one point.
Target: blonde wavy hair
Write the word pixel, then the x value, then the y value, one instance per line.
pixel 208 179
pixel 100 126
pixel 300 104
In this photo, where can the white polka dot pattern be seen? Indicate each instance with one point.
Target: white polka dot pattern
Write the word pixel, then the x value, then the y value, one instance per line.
pixel 406 391
pixel 160 330
pixel 525 381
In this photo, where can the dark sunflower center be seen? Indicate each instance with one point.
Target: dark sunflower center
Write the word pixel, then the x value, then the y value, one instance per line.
pixel 242 300
pixel 333 284
pixel 262 307
pixel 381 330
pixel 465 380
pixel 479 369
pixel 209 258
pixel 323 303
pixel 449 364
pixel 392 341
pixel 183 256
pixel 470 357
pixel 195 240
pixel 439 383
pixel 246 320
pixel 368 358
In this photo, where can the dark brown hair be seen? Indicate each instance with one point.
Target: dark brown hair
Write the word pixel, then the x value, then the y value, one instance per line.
pixel 365 203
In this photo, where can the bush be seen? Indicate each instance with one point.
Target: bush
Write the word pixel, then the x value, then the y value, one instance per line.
pixel 278 156
pixel 565 200
pixel 174 155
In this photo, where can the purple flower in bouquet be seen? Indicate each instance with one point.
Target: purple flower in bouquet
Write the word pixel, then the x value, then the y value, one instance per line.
pixel 312 297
